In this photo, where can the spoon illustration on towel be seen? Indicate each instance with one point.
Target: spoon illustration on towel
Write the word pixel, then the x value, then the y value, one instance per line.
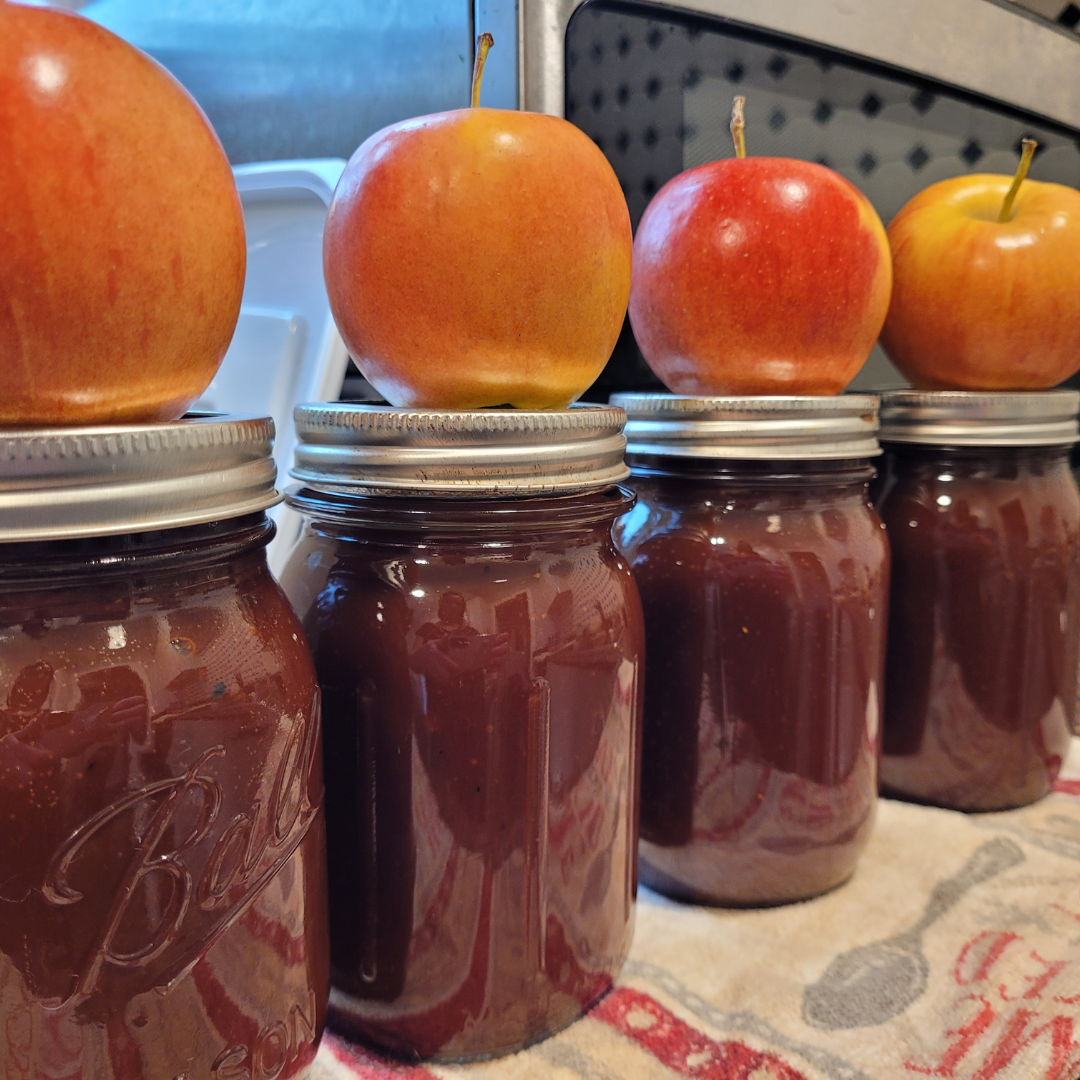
pixel 873 983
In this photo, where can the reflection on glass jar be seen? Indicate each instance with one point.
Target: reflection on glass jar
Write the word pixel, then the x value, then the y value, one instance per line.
pixel 985 624
pixel 162 861
pixel 479 660
pixel 764 589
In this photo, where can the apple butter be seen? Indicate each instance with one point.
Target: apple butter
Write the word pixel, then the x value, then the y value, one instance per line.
pixel 763 574
pixel 983 516
pixel 478 640
pixel 162 847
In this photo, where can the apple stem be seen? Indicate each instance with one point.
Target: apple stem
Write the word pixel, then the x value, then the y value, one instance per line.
pixel 1026 154
pixel 483 44
pixel 738 126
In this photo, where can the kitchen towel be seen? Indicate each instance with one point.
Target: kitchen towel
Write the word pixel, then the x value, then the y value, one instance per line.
pixel 954 951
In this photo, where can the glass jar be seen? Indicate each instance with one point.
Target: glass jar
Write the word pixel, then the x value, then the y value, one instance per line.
pixel 984 520
pixel 763 571
pixel 478 641
pixel 162 847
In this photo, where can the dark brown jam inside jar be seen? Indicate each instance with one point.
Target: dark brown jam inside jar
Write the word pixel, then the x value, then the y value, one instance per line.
pixel 162 847
pixel 478 641
pixel 983 516
pixel 763 580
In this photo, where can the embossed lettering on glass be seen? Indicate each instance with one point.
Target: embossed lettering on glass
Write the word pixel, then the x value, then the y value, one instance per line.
pixel 162 866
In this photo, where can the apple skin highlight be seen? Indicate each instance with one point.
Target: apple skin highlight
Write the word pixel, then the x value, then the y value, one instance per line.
pixel 759 276
pixel 479 257
pixel 122 251
pixel 980 304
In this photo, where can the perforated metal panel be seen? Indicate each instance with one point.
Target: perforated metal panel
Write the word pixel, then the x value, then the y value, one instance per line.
pixel 654 90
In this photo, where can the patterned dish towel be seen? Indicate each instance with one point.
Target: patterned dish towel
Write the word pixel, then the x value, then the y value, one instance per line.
pixel 953 952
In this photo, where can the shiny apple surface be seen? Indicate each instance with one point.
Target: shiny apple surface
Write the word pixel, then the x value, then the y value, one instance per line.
pixel 759 276
pixel 980 304
pixel 122 249
pixel 479 257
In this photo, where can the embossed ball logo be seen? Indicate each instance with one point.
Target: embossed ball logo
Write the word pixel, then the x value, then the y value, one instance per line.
pixel 183 822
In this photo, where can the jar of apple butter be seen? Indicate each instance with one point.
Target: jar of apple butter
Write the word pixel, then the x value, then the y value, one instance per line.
pixel 763 573
pixel 984 521
pixel 478 640
pixel 162 863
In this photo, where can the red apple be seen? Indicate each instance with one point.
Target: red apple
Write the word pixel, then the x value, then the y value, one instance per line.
pixel 758 276
pixel 479 257
pixel 122 248
pixel 984 304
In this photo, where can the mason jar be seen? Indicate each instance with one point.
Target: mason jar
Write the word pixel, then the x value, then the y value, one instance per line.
pixel 162 862
pixel 478 641
pixel 763 573
pixel 984 521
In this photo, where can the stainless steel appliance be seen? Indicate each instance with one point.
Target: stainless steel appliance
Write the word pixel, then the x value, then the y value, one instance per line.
pixel 892 95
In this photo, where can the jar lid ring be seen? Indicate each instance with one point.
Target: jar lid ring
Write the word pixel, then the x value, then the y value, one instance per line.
pixel 981 418
pixel 751 427
pixel 67 483
pixel 363 448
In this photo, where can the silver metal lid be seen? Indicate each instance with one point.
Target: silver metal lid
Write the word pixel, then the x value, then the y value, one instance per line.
pixel 988 418
pixel 755 428
pixel 62 483
pixel 380 449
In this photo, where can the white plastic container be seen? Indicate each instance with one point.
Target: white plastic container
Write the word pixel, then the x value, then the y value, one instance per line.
pixel 286 348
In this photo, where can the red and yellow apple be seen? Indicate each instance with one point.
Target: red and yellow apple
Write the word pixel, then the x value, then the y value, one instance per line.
pixel 122 249
pixel 983 304
pixel 479 257
pixel 758 276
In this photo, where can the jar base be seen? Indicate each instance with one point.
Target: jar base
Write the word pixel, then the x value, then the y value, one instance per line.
pixel 976 804
pixel 343 1020
pixel 752 895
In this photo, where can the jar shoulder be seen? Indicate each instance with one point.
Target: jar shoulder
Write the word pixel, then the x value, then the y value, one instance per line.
pixel 226 634
pixel 369 600
pixel 1008 509
pixel 707 523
